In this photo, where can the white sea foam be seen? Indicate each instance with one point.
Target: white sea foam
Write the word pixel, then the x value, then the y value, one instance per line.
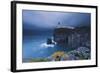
pixel 44 45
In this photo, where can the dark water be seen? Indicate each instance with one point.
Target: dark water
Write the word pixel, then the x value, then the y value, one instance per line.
pixel 36 47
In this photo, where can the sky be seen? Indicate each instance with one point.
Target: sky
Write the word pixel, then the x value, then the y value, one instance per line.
pixel 47 20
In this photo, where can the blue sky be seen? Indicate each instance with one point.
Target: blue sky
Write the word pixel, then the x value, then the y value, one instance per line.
pixel 44 22
pixel 48 20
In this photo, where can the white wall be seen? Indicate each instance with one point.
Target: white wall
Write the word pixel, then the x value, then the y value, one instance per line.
pixel 5 37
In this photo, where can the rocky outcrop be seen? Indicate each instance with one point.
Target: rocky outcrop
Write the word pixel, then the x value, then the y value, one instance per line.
pixel 72 38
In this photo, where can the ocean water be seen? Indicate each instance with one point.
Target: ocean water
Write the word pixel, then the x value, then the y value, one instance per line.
pixel 36 47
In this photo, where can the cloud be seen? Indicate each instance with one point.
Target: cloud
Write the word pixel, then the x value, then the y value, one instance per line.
pixel 49 20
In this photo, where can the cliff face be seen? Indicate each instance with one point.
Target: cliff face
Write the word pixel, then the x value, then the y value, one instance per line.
pixel 61 35
pixel 72 38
